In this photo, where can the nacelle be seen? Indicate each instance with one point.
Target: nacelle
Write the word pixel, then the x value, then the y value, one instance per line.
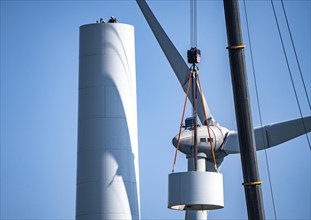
pixel 186 143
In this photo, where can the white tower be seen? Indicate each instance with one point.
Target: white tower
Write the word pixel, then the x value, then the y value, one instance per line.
pixel 107 172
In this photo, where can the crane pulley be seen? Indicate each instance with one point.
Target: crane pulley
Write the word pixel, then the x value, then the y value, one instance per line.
pixel 194 55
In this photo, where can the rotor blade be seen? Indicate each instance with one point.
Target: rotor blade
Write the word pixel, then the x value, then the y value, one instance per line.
pixel 274 134
pixel 176 61
pixel 231 143
pixel 270 135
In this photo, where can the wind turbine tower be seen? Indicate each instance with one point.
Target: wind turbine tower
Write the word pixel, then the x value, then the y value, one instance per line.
pixel 107 169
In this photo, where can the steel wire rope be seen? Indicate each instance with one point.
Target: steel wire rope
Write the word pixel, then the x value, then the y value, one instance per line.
pixel 290 73
pixel 259 109
pixel 296 56
pixel 193 23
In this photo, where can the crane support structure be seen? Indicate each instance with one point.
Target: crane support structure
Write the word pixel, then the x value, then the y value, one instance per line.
pixel 235 48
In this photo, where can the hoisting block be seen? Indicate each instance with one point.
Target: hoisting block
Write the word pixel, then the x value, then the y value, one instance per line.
pixel 195 191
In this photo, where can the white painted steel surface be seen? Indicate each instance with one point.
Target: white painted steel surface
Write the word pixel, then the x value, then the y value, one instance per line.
pixel 201 167
pixel 195 191
pixel 107 172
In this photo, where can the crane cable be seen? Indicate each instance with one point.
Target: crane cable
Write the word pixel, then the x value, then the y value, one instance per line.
pixel 290 74
pixel 193 23
pixel 296 56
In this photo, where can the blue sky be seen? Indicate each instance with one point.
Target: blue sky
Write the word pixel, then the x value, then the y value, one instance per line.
pixel 39 101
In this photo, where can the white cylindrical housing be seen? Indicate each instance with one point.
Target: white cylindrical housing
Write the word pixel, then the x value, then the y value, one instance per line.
pixel 107 171
pixel 195 191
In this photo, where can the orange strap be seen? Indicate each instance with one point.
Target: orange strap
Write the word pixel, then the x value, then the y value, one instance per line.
pixel 208 130
pixel 181 123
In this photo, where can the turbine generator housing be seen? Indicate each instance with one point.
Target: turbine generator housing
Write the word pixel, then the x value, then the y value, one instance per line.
pixel 107 169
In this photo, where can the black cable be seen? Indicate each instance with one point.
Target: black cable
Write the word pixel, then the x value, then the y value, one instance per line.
pixel 290 73
pixel 296 56
pixel 259 109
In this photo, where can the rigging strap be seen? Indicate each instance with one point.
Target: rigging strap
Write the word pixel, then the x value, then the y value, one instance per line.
pixel 181 123
pixel 207 126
